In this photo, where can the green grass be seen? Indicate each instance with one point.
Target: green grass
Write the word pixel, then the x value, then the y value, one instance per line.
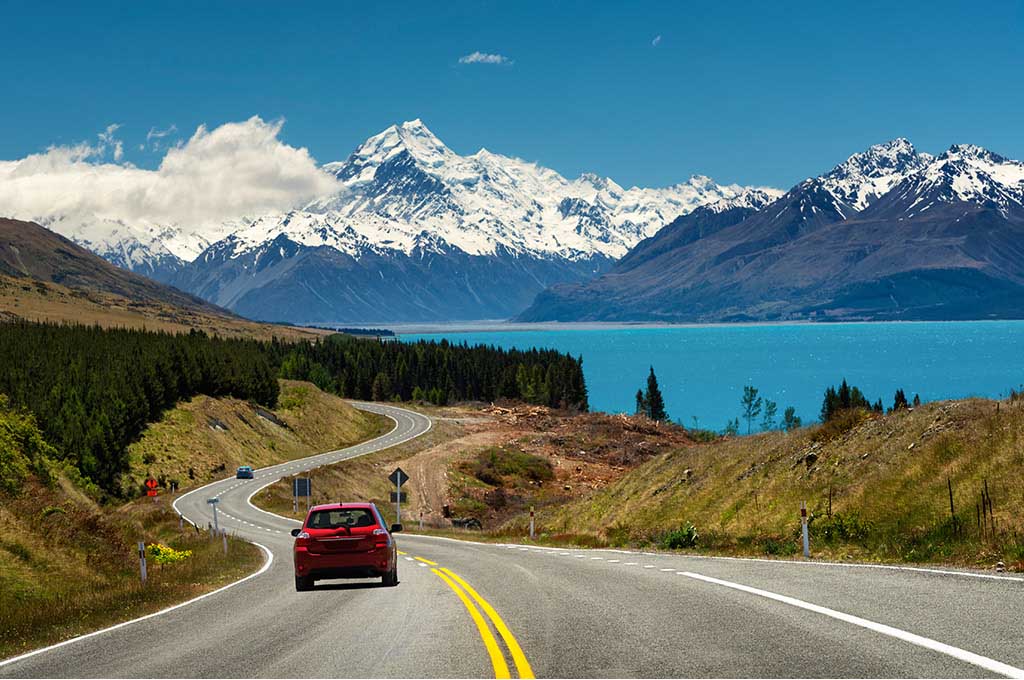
pixel 198 440
pixel 72 567
pixel 69 565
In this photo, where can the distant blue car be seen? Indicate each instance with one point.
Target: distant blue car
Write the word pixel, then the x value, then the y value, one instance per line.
pixel 244 472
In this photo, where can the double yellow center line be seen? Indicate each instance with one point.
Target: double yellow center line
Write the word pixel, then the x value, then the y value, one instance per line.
pixel 497 658
pixel 470 599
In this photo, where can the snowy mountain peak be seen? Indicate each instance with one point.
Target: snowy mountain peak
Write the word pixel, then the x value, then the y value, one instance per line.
pixel 867 175
pixel 411 137
pixel 971 152
pixel 404 182
pixel 753 198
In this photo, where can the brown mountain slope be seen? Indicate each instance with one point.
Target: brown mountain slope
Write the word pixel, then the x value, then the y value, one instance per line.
pixel 46 277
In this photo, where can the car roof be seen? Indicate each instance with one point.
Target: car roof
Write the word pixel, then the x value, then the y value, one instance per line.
pixel 244 467
pixel 338 506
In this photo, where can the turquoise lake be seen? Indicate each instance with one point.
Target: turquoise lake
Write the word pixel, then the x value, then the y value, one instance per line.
pixel 702 369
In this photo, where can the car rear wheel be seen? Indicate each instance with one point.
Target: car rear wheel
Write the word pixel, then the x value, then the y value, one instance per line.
pixel 303 583
pixel 390 579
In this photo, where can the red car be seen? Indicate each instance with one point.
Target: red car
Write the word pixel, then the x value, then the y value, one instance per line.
pixel 345 540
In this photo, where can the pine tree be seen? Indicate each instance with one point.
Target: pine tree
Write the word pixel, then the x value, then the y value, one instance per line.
pixel 917 400
pixel 790 420
pixel 653 399
pixel 899 400
pixel 641 404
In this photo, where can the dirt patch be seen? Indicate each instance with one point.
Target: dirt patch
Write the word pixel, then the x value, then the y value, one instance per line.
pixel 586 452
pixel 429 473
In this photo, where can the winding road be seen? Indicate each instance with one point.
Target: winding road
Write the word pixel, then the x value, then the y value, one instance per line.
pixel 467 609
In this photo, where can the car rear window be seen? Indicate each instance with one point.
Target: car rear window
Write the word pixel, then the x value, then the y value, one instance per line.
pixel 342 517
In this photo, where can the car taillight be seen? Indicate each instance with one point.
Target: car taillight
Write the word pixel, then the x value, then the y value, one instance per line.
pixel 301 538
pixel 380 538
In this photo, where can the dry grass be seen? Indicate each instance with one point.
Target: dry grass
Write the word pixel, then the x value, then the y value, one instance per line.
pixel 887 478
pixel 207 438
pixel 68 567
pixel 364 478
pixel 35 300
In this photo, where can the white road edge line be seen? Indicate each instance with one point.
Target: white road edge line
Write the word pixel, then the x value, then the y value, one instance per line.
pixel 430 425
pixel 266 565
pixel 270 555
pixel 961 654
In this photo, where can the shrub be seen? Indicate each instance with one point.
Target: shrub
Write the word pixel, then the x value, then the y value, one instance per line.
pixel 839 424
pixel 683 537
pixel 618 534
pixel 840 527
pixel 493 465
pixel 17 549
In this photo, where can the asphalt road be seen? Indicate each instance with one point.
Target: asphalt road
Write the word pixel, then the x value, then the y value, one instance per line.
pixel 465 609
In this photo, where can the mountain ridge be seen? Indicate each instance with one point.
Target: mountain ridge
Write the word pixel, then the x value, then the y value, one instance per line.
pixel 939 242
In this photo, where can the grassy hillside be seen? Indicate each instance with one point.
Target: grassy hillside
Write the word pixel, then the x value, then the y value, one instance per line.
pixel 46 277
pixel 493 463
pixel 68 565
pixel 886 476
pixel 366 478
pixel 205 438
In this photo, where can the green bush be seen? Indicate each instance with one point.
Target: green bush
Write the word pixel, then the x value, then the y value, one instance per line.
pixel 683 537
pixel 840 528
pixel 493 465
pixel 22 449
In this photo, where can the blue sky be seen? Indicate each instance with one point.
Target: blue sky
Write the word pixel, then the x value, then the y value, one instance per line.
pixel 761 93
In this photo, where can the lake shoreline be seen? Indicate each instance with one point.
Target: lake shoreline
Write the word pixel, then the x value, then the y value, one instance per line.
pixel 502 326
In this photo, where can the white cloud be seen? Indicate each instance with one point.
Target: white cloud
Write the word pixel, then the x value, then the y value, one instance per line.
pixel 160 134
pixel 155 138
pixel 484 58
pixel 656 41
pixel 231 171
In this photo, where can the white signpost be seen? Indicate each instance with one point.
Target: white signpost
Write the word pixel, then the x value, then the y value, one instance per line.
pixel 142 561
pixel 803 523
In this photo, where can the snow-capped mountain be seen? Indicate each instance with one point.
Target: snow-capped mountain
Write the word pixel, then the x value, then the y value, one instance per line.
pixel 963 174
pixel 888 233
pixel 865 176
pixel 496 229
pixel 404 186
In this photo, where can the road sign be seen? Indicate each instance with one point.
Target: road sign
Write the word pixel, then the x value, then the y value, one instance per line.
pixel 214 502
pixel 398 477
pixel 302 486
pixel 151 485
